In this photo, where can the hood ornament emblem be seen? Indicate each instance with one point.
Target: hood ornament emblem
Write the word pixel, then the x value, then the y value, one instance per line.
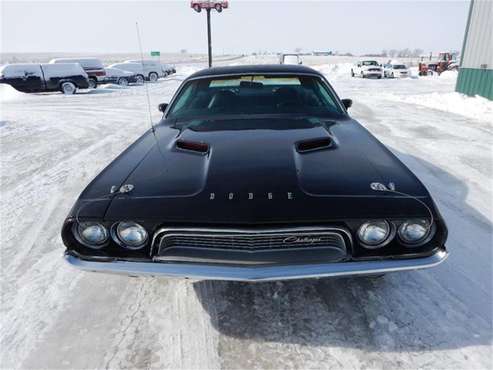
pixel 378 186
pixel 124 189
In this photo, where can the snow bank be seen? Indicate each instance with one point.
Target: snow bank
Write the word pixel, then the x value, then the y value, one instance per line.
pixel 112 86
pixel 473 107
pixel 335 71
pixel 187 70
pixel 450 75
pixel 8 93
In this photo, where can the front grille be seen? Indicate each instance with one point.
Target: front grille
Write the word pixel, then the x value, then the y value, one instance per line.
pixel 235 240
pixel 374 70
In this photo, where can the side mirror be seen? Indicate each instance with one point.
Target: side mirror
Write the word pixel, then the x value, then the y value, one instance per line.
pixel 162 107
pixel 347 103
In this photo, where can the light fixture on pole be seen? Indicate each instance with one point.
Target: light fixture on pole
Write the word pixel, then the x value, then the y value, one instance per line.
pixel 208 5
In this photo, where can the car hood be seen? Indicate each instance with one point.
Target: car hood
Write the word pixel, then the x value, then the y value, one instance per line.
pixel 255 171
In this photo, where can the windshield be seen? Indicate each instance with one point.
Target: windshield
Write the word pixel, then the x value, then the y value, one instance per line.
pixel 399 66
pixel 369 63
pixel 257 94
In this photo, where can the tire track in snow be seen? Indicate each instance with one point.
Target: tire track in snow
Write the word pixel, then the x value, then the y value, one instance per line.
pixel 158 324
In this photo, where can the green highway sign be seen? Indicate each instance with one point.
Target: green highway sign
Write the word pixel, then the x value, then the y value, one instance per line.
pixel 155 53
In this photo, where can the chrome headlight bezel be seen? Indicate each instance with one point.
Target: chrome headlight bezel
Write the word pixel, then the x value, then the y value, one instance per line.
pixel 389 235
pixel 427 236
pixel 77 231
pixel 116 234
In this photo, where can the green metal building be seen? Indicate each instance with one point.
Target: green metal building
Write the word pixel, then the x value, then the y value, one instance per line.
pixel 476 67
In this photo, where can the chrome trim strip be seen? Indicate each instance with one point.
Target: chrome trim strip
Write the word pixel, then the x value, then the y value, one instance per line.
pixel 262 273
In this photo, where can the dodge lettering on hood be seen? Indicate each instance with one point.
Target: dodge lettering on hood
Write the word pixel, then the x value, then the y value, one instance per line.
pixel 255 173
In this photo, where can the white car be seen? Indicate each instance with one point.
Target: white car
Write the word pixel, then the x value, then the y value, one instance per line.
pixel 367 69
pixel 121 77
pixel 395 70
pixel 152 69
pixel 134 68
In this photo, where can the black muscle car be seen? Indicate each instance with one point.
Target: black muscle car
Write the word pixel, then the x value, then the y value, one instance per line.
pixel 255 173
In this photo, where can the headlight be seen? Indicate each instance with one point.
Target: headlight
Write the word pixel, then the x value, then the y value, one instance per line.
pixel 374 233
pixel 414 231
pixel 92 234
pixel 131 235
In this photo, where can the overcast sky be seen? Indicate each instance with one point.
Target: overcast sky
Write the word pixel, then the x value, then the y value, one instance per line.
pixel 169 26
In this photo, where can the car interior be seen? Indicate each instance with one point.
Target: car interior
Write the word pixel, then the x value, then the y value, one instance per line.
pixel 250 97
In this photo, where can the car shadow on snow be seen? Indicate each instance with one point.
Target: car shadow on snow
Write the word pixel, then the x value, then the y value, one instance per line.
pixel 407 311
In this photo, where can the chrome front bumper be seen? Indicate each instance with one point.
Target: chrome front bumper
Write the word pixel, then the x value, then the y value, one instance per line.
pixel 258 273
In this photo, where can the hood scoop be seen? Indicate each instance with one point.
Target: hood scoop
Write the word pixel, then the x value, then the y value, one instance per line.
pixel 192 146
pixel 314 144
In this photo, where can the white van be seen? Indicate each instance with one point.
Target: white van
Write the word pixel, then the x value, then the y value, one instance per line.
pixel 93 67
pixel 290 59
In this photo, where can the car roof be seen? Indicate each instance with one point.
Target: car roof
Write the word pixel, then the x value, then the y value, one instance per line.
pixel 254 69
pixel 124 64
pixel 77 59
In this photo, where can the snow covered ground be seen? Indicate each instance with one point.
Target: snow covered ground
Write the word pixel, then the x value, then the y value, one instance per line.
pixel 53 316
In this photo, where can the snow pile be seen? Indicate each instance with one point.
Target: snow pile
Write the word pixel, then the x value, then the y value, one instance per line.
pixel 335 71
pixel 112 86
pixel 473 107
pixel 187 70
pixel 8 93
pixel 450 75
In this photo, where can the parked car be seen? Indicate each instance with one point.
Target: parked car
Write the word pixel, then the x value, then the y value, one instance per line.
pixel 120 77
pixel 93 67
pixel 367 69
pixel 168 69
pixel 395 69
pixel 133 68
pixel 35 77
pixel 290 59
pixel 255 173
pixel 152 69
pixel 208 4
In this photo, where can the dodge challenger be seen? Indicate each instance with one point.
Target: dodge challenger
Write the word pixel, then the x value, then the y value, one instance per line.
pixel 255 173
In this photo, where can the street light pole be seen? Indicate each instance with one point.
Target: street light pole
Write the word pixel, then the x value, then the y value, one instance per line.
pixel 209 5
pixel 209 42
